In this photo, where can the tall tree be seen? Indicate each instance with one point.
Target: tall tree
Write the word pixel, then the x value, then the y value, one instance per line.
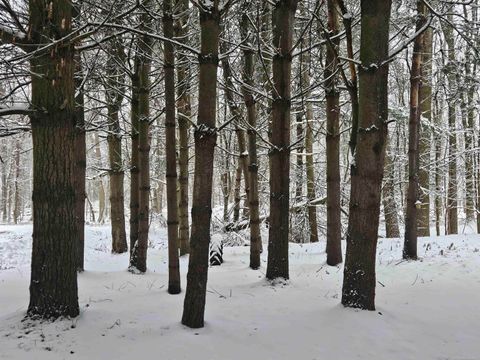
pixel 184 114
pixel 411 232
pixel 170 150
pixel 80 160
pixel 205 140
pixel 134 160
pixel 425 135
pixel 334 225
pixel 367 170
pixel 114 86
pixel 452 203
pixel 138 257
pixel 282 21
pixel 248 76
pixel 53 283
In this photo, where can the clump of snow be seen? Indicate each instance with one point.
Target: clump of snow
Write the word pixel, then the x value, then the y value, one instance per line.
pixel 426 309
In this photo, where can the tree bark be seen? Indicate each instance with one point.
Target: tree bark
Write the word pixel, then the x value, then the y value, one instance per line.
pixel 53 283
pixel 205 140
pixel 411 220
pixel 134 161
pixel 278 235
pixel 138 258
pixel 114 139
pixel 248 74
pixel 425 136
pixel 80 161
pixel 367 170
pixel 334 225
pixel 184 114
pixel 170 149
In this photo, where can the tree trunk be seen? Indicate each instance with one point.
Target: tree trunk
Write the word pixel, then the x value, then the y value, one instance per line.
pixel 332 94
pixel 278 233
pixel 80 161
pixel 248 74
pixel 53 284
pixel 452 211
pixel 170 149
pixel 425 136
pixel 411 221
pixel 138 258
pixel 134 161
pixel 205 140
pixel 114 139
pixel 367 170
pixel 184 114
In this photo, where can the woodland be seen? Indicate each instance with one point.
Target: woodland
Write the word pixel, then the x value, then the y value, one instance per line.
pixel 262 169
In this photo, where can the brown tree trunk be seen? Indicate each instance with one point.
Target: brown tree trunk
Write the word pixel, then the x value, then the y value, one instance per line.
pixel 411 220
pixel 334 226
pixel 170 150
pixel 114 139
pixel 53 284
pixel 248 74
pixel 80 161
pixel 283 20
pixel 205 140
pixel 425 136
pixel 184 114
pixel 134 161
pixel 367 170
pixel 138 257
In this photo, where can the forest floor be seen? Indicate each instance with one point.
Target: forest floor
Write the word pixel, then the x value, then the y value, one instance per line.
pixel 428 309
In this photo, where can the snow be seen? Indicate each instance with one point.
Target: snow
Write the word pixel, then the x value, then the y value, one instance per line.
pixel 427 309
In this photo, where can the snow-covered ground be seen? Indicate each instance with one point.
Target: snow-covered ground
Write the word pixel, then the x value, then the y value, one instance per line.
pixel 429 309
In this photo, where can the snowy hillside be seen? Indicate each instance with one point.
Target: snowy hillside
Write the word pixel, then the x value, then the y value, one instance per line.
pixel 428 309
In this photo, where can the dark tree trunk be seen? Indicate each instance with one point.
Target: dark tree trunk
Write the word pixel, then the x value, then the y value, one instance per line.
pixel 367 171
pixel 115 96
pixel 282 21
pixel 134 161
pixel 138 258
pixel 411 221
pixel 248 74
pixel 53 284
pixel 334 225
pixel 80 162
pixel 205 140
pixel 184 115
pixel 170 150
pixel 425 136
